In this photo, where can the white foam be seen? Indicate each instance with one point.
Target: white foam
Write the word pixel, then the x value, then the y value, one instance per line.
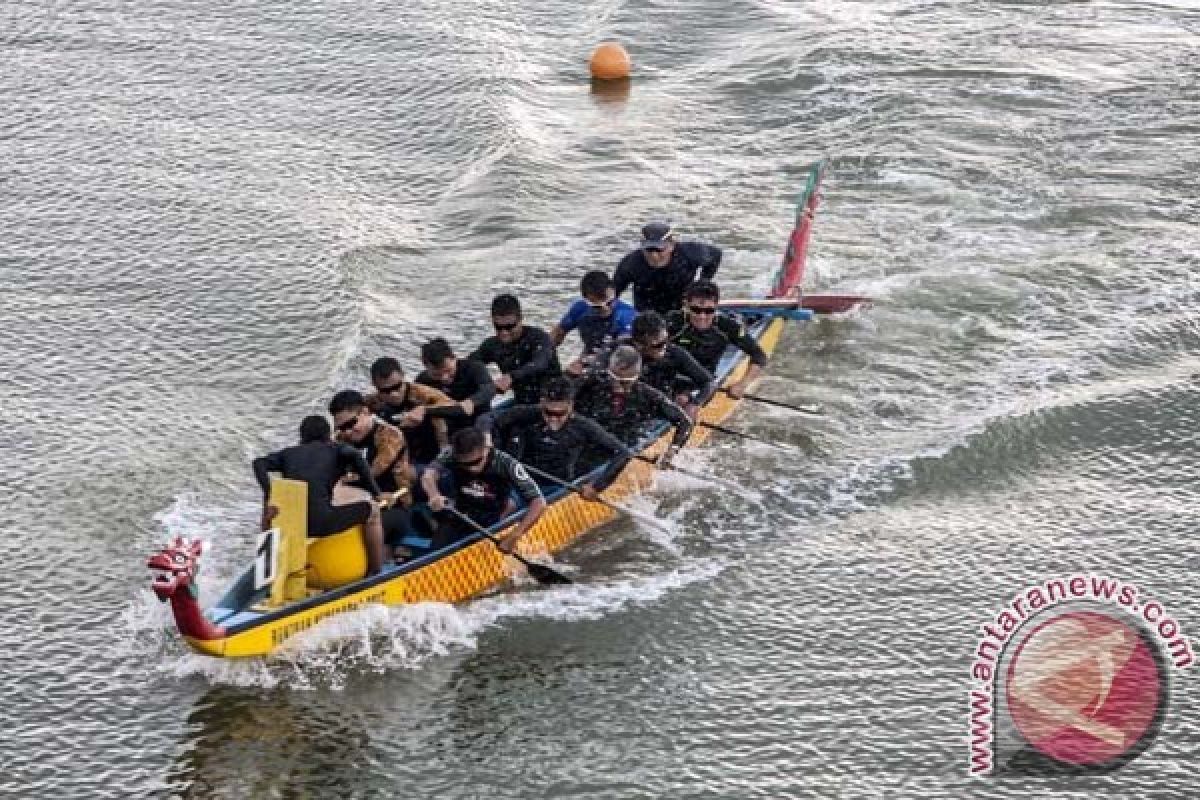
pixel 146 614
pixel 582 601
pixel 667 530
pixel 699 461
pixel 227 532
pixel 380 638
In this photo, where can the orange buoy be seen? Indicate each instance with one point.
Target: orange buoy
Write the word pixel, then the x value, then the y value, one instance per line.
pixel 609 62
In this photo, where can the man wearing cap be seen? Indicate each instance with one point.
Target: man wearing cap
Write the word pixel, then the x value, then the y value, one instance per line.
pixel 663 267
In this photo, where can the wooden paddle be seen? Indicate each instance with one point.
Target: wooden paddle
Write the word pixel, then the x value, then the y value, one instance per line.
pixel 646 519
pixel 540 572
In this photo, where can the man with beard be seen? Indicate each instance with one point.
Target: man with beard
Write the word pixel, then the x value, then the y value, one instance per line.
pixel 385 451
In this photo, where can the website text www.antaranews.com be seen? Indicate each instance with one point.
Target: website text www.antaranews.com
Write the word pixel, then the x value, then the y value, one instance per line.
pixel 1031 601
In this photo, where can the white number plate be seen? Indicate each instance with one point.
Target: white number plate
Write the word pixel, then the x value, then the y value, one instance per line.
pixel 266 558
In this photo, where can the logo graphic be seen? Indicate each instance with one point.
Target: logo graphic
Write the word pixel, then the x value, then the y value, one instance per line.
pixel 1086 688
pixel 1073 675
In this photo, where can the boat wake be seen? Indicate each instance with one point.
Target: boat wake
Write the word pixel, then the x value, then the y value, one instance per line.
pixel 377 638
pixel 381 638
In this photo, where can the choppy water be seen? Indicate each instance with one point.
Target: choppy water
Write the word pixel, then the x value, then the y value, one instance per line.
pixel 212 216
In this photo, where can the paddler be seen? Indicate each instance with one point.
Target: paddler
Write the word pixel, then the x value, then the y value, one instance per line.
pixel 404 404
pixel 705 333
pixel 625 406
pixel 599 316
pixel 668 367
pixel 321 463
pixel 662 267
pixel 524 353
pixel 384 448
pixel 479 481
pixel 550 437
pixel 466 382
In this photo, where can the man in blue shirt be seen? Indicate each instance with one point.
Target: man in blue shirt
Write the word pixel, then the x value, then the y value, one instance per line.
pixel 661 269
pixel 600 317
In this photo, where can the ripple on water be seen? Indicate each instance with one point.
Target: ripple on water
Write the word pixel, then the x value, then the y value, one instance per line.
pixel 213 220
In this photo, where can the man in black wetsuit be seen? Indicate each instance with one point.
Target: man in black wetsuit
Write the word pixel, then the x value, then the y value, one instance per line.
pixel 551 438
pixel 321 463
pixel 405 405
pixel 705 333
pixel 668 367
pixel 628 408
pixel 466 382
pixel 524 353
pixel 479 479
pixel 663 267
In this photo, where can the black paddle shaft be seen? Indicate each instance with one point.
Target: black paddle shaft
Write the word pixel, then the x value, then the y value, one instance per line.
pixel 778 403
pixel 742 435
pixel 540 572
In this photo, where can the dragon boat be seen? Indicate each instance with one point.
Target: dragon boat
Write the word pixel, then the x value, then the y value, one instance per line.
pixel 295 583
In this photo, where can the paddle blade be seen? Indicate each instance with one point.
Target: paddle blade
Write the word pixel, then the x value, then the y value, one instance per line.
pixel 545 575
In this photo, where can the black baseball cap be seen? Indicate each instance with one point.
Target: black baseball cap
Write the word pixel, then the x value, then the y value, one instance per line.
pixel 656 235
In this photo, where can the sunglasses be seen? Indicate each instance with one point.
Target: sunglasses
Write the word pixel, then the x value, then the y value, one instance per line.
pixel 619 379
pixel 661 344
pixel 702 309
pixel 395 387
pixel 348 424
pixel 475 462
pixel 555 414
pixel 600 306
pixel 506 326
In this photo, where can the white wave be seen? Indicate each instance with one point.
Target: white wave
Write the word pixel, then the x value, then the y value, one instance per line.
pixel 666 530
pixel 242 672
pixel 704 472
pixel 228 533
pixel 381 638
pixel 146 614
pixel 583 601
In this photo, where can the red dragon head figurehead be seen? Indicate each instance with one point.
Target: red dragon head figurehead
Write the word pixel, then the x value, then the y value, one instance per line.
pixel 175 568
